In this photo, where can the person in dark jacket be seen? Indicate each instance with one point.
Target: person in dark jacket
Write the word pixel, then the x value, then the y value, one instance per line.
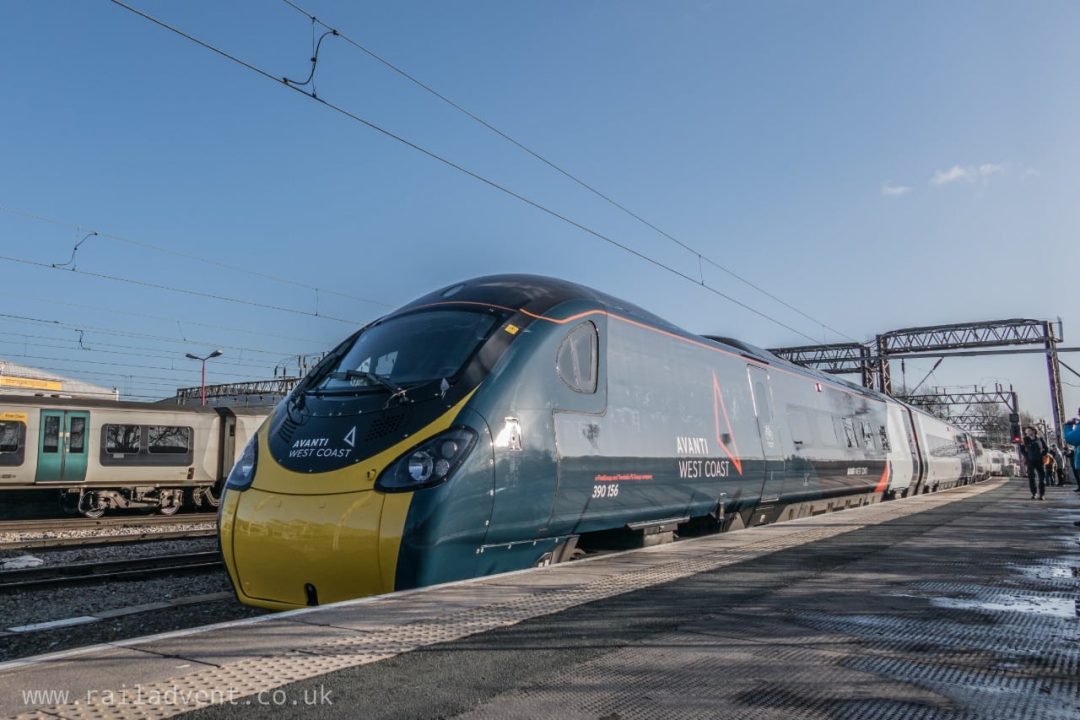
pixel 1034 450
pixel 1072 436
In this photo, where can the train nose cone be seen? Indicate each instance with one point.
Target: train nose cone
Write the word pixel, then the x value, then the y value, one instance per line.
pixel 289 550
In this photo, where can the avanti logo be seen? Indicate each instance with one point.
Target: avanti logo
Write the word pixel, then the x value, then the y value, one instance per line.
pixel 350 437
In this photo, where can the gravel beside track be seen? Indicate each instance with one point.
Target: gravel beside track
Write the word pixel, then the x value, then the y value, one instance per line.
pixel 31 534
pixel 182 591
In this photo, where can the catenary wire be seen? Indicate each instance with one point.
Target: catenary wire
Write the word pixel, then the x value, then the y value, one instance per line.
pixel 105 363
pixel 183 291
pixel 171 320
pixel 460 168
pixel 132 334
pixel 190 256
pixel 31 341
pixel 561 170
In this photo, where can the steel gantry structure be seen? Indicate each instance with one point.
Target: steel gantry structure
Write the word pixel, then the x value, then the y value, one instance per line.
pixel 256 392
pixel 996 337
pixel 974 422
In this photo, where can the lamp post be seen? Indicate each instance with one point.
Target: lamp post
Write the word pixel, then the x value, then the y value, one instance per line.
pixel 216 353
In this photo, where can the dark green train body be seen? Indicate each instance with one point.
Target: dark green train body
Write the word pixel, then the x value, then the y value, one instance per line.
pixel 512 421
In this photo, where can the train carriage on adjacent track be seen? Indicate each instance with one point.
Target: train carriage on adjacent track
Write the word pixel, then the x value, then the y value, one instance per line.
pixel 97 455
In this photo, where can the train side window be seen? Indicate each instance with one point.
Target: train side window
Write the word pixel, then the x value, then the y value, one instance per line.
pixel 77 436
pixel 576 360
pixel 849 432
pixel 867 435
pixel 10 436
pixel 12 442
pixel 885 445
pixel 50 438
pixel 165 439
pixel 122 439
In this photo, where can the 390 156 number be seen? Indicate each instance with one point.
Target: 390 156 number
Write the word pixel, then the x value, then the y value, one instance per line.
pixel 605 490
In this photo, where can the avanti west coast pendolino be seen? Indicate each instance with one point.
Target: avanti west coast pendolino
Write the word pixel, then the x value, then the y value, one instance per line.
pixel 514 421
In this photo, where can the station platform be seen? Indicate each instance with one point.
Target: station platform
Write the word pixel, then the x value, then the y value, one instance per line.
pixel 959 604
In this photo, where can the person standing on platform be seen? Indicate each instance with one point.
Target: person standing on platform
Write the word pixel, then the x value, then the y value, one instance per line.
pixel 1034 450
pixel 1072 436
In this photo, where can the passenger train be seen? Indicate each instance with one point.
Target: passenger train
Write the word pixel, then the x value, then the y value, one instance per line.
pixel 99 455
pixel 513 421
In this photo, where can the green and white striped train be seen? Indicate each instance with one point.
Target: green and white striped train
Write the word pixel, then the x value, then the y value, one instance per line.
pixel 96 455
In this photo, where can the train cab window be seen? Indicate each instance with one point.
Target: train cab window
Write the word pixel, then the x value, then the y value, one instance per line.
pixel 77 436
pixel 122 439
pixel 169 440
pixel 576 360
pixel 384 365
pixel 12 441
pixel 408 350
pixel 50 435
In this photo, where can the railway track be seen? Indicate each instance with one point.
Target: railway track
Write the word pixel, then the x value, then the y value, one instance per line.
pixel 108 571
pixel 87 523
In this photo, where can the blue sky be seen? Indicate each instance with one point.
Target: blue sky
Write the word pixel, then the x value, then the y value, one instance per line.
pixel 877 166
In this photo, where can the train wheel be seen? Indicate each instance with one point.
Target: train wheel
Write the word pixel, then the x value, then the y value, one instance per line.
pixel 171 500
pixel 211 501
pixel 90 506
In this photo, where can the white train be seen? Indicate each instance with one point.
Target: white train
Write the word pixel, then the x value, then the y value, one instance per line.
pixel 99 455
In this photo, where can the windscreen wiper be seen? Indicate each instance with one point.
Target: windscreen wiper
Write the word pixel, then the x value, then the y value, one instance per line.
pixel 370 377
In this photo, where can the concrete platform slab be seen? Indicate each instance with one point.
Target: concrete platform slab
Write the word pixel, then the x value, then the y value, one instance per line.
pixel 86 680
pixel 931 607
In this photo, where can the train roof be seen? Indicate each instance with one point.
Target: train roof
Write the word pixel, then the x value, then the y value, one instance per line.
pixel 47 402
pixel 538 294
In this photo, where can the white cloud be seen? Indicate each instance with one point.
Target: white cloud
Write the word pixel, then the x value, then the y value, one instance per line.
pixel 967 173
pixel 1030 174
pixel 890 190
pixel 943 177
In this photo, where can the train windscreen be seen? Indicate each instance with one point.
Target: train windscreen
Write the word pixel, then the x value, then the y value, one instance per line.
pixel 410 349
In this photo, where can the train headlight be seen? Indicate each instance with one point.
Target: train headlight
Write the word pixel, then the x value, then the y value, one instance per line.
pixel 429 463
pixel 243 472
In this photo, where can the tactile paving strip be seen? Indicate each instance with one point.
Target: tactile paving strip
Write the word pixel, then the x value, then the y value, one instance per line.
pixel 251 676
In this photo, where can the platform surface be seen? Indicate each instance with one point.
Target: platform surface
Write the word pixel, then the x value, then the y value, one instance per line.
pixel 959 604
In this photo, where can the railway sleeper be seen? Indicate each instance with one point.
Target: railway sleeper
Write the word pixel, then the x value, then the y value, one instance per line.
pixel 94 502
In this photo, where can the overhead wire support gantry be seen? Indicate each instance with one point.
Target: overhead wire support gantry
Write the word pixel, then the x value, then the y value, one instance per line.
pixel 872 360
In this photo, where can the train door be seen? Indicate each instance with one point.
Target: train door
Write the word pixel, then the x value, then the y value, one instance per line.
pixel 899 452
pixel 62 440
pixel 580 399
pixel 226 442
pixel 919 464
pixel 772 484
